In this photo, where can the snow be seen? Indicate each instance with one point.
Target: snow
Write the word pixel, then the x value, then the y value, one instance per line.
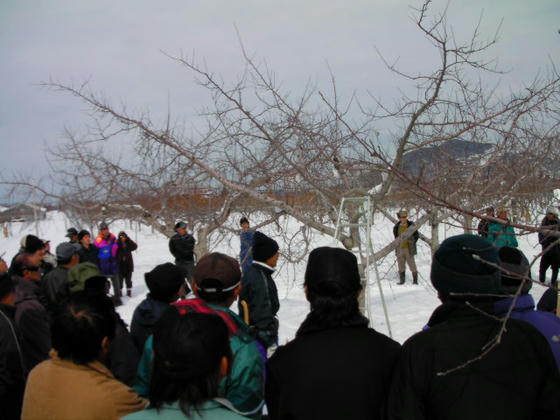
pixel 409 307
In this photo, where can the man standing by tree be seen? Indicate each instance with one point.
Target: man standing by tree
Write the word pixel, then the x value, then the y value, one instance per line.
pixel 107 245
pixel 181 246
pixel 406 250
pixel 245 255
pixel 550 246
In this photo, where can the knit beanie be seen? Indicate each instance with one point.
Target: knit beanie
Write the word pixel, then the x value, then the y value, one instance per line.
pixel 514 261
pixel 78 275
pixel 31 244
pixel 332 272
pixel 164 281
pixel 263 247
pixel 460 266
pixel 216 273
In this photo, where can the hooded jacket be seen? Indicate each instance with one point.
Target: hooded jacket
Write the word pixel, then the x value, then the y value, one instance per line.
pixel 517 379
pixel 244 386
pixel 107 254
pixel 144 318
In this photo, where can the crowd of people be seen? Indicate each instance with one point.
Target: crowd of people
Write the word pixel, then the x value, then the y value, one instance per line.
pixel 65 353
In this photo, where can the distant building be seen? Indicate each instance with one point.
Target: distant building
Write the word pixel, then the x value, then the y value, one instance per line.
pixel 23 213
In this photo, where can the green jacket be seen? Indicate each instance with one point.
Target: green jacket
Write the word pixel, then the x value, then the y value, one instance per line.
pixel 210 410
pixel 244 387
pixel 502 235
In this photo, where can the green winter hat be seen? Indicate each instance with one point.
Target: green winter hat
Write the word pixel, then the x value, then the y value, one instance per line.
pixel 78 275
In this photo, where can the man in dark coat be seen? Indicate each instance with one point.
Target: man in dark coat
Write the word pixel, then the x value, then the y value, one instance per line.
pixel 126 262
pixel 166 284
pixel 337 367
pixel 246 239
pixel 55 288
pixel 181 246
pixel 31 317
pixel 466 365
pixel 550 246
pixel 258 300
pixel 88 252
pixel 12 366
pixel 406 250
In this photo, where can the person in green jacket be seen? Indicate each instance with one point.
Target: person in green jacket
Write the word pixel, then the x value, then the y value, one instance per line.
pixel 502 234
pixel 216 284
pixel 191 356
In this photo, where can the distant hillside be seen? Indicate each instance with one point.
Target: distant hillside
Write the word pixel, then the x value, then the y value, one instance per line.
pixel 427 159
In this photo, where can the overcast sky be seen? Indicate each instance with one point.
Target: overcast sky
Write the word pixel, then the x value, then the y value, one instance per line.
pixel 117 45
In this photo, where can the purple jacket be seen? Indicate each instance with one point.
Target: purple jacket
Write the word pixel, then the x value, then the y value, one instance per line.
pixel 548 324
pixel 107 254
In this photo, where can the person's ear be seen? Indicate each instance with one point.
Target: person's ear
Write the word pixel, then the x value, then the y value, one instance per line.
pixel 105 348
pixel 306 292
pixel 236 291
pixel 224 366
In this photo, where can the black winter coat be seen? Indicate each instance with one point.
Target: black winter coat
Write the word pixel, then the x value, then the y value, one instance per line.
pixel 32 321
pixel 55 289
pixel 124 255
pixel 124 356
pixel 339 373
pixel 144 318
pixel 517 379
pixel 259 291
pixel 182 247
pixel 546 240
pixel 12 369
pixel 89 254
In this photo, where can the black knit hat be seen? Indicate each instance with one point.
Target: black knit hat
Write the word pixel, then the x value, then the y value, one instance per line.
pixel 164 281
pixel 332 272
pixel 32 244
pixel 216 273
pixel 263 247
pixel 460 266
pixel 514 261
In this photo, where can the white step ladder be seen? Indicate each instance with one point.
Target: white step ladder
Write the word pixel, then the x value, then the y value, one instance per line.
pixel 363 225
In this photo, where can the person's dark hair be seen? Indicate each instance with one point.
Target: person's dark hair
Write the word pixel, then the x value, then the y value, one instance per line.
pixel 6 285
pixel 83 233
pixel 188 349
pixel 243 220
pixel 79 327
pixel 332 280
pixel 21 263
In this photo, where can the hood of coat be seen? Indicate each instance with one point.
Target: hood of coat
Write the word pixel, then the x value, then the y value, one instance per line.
pixel 150 310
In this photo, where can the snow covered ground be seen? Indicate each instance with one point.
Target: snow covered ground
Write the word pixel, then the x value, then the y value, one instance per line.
pixel 408 306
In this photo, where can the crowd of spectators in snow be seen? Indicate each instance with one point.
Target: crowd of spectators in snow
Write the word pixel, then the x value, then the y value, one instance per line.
pixel 65 353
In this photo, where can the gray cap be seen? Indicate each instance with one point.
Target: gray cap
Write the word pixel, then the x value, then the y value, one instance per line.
pixel 65 250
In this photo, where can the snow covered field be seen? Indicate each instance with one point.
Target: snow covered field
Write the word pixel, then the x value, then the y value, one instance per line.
pixel 409 307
